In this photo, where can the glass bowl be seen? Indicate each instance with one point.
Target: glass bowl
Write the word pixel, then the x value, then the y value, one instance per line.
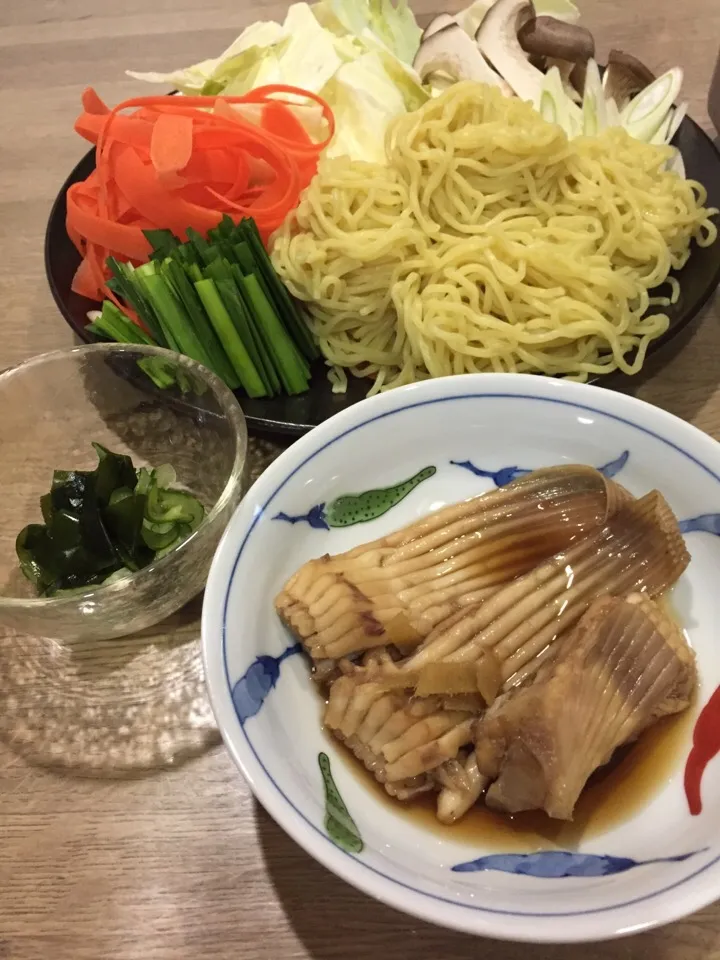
pixel 51 410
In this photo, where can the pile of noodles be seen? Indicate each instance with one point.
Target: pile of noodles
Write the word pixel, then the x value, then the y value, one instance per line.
pixel 489 242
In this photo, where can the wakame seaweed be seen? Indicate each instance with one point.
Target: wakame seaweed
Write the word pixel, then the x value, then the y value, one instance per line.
pixel 102 522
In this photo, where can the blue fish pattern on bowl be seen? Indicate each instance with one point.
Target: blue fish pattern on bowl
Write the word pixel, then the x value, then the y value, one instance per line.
pixel 506 475
pixel 251 690
pixel 352 508
pixel 315 517
pixel 705 523
pixel 559 864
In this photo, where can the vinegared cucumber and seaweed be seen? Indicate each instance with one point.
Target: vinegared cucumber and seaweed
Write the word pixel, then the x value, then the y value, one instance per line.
pixel 102 524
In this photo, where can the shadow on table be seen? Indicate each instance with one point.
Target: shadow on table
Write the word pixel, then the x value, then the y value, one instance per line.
pixel 119 709
pixel 336 922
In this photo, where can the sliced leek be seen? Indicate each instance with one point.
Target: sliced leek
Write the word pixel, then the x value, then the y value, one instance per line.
pixel 594 106
pixel 679 114
pixel 555 106
pixel 644 115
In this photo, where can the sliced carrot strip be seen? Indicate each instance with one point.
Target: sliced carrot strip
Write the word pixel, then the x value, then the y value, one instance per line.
pixel 92 103
pixel 84 283
pixel 125 129
pixel 269 91
pixel 76 239
pixel 96 257
pixel 179 162
pixel 302 147
pixel 262 94
pixel 284 124
pixel 214 166
pixel 129 241
pixel 171 145
pixel 89 125
pixel 137 182
pixel 198 193
pixel 260 173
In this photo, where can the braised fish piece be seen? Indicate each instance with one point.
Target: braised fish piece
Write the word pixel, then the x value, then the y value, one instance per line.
pixel 625 665
pixel 396 589
pixel 640 548
pixel 378 722
pixel 461 784
pixel 399 738
pixel 479 679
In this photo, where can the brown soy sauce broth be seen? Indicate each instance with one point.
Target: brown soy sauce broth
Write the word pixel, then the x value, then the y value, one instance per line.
pixel 614 794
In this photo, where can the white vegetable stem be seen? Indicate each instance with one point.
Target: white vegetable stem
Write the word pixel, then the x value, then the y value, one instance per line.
pixel 660 137
pixel 555 106
pixel 645 114
pixel 451 51
pixel 679 114
pixel 612 113
pixel 497 38
pixel 594 108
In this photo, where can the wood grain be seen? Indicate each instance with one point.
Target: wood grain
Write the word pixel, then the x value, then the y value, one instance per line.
pixel 185 864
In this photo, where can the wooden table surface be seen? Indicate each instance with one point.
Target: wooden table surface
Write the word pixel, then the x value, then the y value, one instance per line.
pixel 186 864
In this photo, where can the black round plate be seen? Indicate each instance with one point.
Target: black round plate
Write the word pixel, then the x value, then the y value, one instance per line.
pixel 297 415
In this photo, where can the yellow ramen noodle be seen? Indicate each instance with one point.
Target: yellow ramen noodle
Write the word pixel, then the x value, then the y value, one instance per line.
pixel 490 243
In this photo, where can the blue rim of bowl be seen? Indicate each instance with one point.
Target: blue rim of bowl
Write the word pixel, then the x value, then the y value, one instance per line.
pixel 259 513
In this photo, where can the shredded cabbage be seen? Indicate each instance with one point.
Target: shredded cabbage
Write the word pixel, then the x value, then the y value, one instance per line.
pixel 393 22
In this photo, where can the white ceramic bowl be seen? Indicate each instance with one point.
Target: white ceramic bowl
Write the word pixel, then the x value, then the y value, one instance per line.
pixel 657 866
